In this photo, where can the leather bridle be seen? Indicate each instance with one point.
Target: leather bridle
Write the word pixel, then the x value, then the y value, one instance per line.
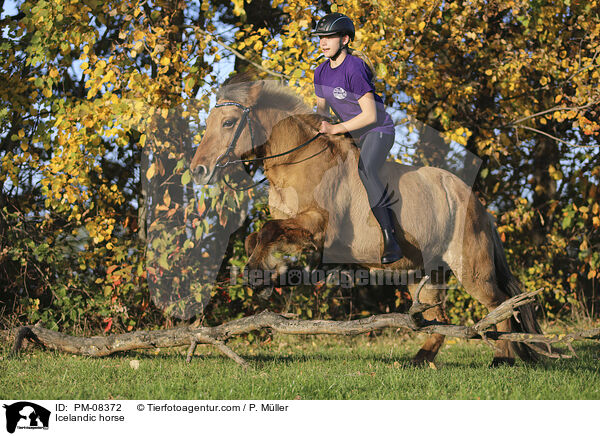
pixel 240 128
pixel 245 121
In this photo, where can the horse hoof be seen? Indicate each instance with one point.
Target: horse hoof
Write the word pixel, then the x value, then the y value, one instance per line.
pixel 501 361
pixel 424 358
pixel 418 363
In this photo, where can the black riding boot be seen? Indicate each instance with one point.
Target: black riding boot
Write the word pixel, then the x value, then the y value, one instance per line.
pixel 391 249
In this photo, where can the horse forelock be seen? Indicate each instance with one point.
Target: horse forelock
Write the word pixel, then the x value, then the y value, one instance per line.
pixel 237 92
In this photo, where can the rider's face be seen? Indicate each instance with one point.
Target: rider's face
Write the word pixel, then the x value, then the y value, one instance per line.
pixel 329 45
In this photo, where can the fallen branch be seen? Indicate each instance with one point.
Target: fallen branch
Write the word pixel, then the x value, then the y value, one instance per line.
pixel 217 336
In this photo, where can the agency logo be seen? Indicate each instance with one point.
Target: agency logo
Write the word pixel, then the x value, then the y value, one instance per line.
pixel 340 93
pixel 26 415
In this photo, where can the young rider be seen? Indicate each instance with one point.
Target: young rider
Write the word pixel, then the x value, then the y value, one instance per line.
pixel 344 83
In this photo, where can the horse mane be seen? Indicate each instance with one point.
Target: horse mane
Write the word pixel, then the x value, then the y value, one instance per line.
pixel 274 93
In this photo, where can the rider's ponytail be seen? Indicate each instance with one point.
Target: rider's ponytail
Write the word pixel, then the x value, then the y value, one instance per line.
pixel 364 57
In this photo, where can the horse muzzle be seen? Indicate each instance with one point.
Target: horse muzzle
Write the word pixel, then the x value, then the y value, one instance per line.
pixel 202 175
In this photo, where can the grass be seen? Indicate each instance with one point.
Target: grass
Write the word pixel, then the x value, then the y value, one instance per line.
pixel 291 367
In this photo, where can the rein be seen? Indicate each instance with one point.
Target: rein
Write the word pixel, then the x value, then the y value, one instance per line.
pixel 245 120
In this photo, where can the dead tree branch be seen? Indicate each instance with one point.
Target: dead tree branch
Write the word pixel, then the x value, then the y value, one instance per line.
pixel 217 336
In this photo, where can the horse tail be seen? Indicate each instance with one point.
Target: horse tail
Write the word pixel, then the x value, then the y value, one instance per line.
pixel 525 321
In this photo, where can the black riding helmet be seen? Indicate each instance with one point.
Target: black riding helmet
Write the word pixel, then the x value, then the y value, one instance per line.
pixel 335 23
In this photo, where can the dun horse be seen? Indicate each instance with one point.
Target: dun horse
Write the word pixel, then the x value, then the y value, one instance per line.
pixel 318 203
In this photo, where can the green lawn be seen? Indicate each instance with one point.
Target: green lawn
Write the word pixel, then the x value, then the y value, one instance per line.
pixel 291 367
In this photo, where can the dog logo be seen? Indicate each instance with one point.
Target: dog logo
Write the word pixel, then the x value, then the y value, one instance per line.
pixel 26 415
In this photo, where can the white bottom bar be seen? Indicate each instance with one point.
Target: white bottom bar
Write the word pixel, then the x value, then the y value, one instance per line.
pixel 150 417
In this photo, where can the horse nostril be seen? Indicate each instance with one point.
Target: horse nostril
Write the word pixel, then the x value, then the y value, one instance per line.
pixel 199 172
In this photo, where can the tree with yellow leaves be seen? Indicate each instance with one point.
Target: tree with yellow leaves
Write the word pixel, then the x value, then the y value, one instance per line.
pixel 103 102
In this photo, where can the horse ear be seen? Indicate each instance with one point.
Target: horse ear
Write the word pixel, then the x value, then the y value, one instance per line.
pixel 254 92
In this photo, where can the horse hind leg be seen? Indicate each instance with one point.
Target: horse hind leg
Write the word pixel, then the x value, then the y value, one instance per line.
pixel 430 294
pixel 478 276
pixel 487 292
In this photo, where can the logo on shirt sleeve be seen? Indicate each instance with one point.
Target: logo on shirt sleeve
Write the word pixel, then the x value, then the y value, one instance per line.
pixel 340 93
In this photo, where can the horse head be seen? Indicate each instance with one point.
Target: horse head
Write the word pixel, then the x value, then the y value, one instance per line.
pixel 232 130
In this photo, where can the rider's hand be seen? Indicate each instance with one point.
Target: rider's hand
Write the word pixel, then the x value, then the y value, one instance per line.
pixel 332 129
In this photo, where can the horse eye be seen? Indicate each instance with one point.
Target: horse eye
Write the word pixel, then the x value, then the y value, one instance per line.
pixel 229 123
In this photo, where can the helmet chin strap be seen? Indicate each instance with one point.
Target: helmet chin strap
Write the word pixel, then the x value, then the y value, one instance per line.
pixel 337 53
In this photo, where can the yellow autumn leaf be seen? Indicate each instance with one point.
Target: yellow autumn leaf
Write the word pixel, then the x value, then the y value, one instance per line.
pixel 201 207
pixel 238 7
pixel 151 171
pixel 167 198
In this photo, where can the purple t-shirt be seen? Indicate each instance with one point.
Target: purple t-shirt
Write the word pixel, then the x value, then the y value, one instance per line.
pixel 342 86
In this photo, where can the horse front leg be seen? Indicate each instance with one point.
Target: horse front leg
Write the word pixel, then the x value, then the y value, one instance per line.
pixel 431 293
pixel 279 238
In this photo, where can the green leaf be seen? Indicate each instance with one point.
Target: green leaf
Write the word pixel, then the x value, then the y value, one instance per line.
pixel 162 261
pixel 186 177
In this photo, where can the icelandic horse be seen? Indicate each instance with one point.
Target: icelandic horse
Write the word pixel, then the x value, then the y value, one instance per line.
pixel 318 203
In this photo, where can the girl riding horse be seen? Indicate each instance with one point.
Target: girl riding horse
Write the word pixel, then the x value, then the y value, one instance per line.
pixel 344 84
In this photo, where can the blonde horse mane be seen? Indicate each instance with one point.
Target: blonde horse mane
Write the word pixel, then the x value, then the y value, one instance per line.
pixel 274 94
